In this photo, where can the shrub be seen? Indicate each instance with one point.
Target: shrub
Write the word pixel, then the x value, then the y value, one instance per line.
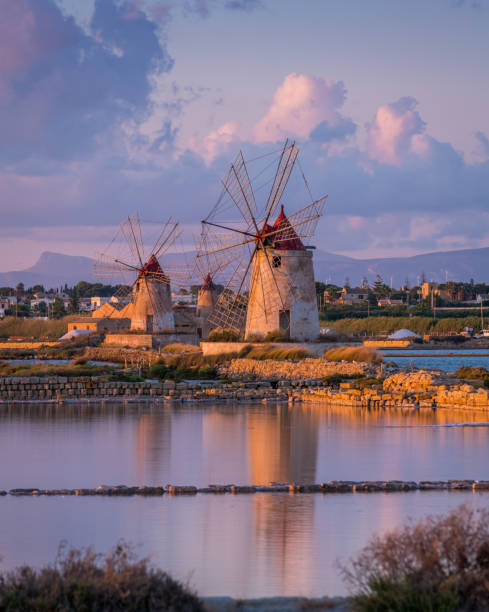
pixel 439 563
pixel 223 335
pixel 471 373
pixel 181 348
pixel 276 336
pixel 352 353
pixel 83 580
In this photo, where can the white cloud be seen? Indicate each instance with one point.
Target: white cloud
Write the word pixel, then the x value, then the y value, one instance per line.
pixel 396 131
pixel 299 104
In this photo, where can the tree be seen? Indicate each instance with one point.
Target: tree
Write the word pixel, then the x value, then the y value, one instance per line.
pixel 379 286
pixel 19 290
pixel 364 283
pixel 347 282
pixel 320 288
pixel 58 309
pixel 423 277
pixel 37 289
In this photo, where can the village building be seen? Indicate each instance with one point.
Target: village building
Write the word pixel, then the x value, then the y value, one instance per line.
pixel 353 296
pixel 4 306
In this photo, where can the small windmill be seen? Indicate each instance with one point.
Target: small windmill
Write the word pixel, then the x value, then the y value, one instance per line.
pixel 206 270
pixel 130 259
pixel 270 279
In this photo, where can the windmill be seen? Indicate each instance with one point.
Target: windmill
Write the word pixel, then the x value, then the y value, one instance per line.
pixel 206 270
pixel 128 258
pixel 268 267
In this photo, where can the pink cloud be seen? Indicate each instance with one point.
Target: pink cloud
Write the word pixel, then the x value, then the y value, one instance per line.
pixel 299 104
pixel 396 131
pixel 216 142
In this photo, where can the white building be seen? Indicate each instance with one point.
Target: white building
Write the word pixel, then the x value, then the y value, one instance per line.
pixel 97 301
pixel 4 306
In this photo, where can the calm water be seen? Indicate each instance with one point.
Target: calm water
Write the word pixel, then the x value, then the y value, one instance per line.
pixel 252 545
pixel 439 358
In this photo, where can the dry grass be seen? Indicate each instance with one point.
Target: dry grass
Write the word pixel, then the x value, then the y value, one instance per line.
pixel 352 353
pixel 177 348
pixel 83 580
pixel 439 563
pixel 35 328
pixel 271 352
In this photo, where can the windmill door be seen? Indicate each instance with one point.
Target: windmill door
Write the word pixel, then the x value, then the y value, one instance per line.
pixel 284 322
pixel 149 323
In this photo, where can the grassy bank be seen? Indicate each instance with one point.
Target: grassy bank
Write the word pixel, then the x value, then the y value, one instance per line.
pixel 35 328
pixel 372 326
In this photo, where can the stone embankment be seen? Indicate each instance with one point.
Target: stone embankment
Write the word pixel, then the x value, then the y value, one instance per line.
pixel 332 486
pixel 274 369
pixel 419 389
pixel 412 389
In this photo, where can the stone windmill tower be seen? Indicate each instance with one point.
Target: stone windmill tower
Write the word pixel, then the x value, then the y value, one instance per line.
pixel 270 280
pixel 282 296
pixel 152 311
pixel 206 302
pixel 130 261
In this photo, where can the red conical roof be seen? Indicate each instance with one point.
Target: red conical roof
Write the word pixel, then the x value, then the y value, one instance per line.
pixel 286 239
pixel 153 268
pixel 208 284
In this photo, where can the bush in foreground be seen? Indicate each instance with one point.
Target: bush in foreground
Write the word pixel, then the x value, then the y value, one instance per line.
pixel 83 580
pixel 440 564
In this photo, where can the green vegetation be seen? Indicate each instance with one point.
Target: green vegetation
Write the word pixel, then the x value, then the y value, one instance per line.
pixel 39 369
pixel 223 335
pixel 275 336
pixel 439 564
pixel 171 372
pixel 352 353
pixel 472 373
pixel 372 326
pixel 83 580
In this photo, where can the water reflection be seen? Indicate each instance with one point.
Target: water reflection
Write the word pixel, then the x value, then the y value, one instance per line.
pixel 81 445
pixel 227 545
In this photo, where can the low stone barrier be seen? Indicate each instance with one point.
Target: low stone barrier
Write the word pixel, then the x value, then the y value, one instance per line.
pixel 431 394
pixel 332 486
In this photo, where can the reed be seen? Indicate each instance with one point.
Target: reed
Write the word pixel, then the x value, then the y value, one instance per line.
pixel 352 353
pixel 267 352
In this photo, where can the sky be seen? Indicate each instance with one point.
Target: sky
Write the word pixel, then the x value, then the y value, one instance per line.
pixel 108 107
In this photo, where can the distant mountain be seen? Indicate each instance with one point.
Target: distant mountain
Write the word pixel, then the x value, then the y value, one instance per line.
pixel 51 270
pixel 56 269
pixel 438 266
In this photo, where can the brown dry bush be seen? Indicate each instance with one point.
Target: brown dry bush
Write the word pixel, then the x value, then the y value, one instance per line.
pixel 438 563
pixel 352 353
pixel 83 580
